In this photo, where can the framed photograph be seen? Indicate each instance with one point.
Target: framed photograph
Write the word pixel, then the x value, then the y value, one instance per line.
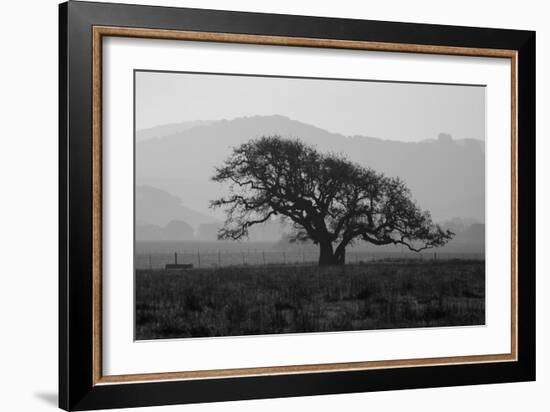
pixel 256 205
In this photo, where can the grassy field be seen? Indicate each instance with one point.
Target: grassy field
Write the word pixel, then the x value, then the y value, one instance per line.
pixel 252 300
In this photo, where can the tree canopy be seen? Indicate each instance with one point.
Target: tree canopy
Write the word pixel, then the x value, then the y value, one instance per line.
pixel 327 198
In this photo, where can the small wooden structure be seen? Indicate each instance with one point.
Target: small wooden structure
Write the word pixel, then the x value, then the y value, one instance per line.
pixel 176 265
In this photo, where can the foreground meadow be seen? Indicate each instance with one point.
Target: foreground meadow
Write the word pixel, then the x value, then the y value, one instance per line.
pixel 254 300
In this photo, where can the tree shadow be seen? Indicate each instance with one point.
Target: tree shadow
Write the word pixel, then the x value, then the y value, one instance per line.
pixel 49 398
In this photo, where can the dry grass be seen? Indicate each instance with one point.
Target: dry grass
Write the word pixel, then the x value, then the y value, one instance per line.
pixel 257 300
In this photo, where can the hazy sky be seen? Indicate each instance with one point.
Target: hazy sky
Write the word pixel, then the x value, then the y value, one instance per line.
pixel 396 111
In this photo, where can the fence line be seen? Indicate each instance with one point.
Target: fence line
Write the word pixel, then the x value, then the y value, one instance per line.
pixel 221 258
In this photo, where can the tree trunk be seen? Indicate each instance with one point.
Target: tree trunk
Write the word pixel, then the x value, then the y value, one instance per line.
pixel 327 256
pixel 340 256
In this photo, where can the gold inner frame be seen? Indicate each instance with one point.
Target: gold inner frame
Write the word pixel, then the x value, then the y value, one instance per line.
pixel 100 31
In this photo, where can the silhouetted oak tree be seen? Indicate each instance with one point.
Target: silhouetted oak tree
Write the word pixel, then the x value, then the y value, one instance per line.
pixel 329 200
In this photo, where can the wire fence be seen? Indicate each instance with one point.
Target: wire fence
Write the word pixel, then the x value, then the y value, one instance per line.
pixel 222 258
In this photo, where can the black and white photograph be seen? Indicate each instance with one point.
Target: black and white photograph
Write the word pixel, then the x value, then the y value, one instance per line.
pixel 214 206
pixel 274 205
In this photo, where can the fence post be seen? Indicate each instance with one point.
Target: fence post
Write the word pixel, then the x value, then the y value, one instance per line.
pixel 199 257
pixel 263 256
pixel 219 259
pixel 284 258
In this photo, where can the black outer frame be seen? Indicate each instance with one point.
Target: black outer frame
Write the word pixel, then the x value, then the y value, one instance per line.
pixel 76 389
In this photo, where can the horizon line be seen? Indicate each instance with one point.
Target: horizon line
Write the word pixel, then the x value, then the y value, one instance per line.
pixel 298 121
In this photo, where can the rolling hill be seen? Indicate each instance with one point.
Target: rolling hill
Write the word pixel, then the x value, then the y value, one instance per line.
pixel 445 175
